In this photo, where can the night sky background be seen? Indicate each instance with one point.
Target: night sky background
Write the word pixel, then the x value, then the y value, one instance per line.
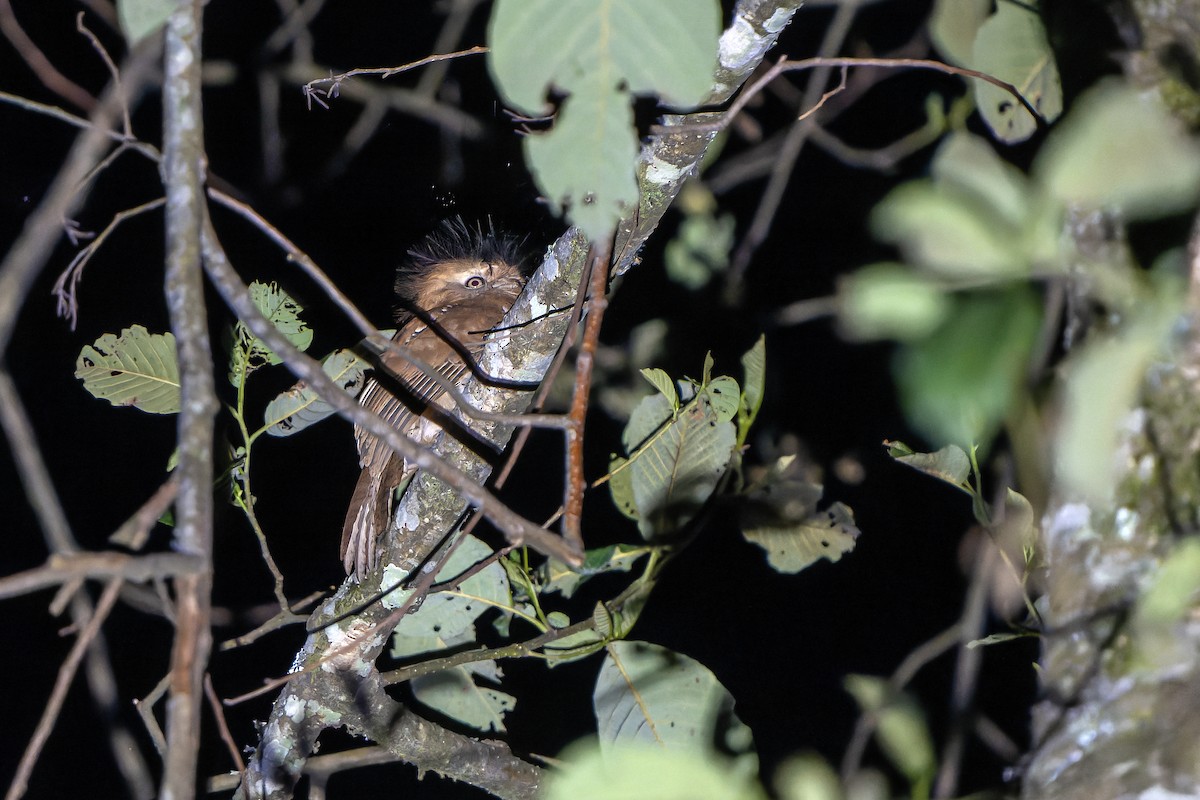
pixel 781 644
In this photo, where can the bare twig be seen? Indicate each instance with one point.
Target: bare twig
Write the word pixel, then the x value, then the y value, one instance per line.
pixel 46 72
pixel 54 703
pixel 218 711
pixel 584 360
pixel 60 569
pixel 113 73
pixel 313 89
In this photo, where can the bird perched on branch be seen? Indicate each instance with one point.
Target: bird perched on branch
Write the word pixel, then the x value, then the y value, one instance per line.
pixel 456 287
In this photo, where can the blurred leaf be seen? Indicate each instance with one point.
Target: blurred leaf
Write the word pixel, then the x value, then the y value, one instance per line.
pixel 1101 385
pixel 948 233
pixel 957 385
pixel 647 772
pixel 901 730
pixel 795 545
pixel 1011 45
pixel 137 368
pixel 950 464
pixel 968 164
pixel 300 406
pixel 890 301
pixel 140 18
pixel 807 777
pixel 953 25
pixel 700 249
pixel 754 386
pixel 1120 149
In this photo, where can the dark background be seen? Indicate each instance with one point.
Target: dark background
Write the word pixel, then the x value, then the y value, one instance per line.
pixel 781 644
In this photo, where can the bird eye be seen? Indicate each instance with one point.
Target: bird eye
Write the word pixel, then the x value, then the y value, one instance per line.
pixel 473 282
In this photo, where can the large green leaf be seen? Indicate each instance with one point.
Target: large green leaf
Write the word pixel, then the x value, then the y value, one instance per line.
pixel 137 368
pixel 1120 149
pixel 1011 45
pixel 598 53
pixel 675 459
pixel 646 693
pixel 890 301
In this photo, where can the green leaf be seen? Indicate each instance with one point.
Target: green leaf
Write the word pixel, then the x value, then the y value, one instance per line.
pixel 140 18
pixel 137 368
pixel 948 233
pixel 807 777
pixel 649 694
pixel 700 249
pixel 1011 45
pixel 968 164
pixel 953 25
pixel 662 381
pixel 675 459
pixel 950 464
pixel 647 772
pixel 249 353
pixel 795 544
pixel 598 54
pixel 300 406
pixel 447 614
pixel 901 731
pixel 957 385
pixel 668 48
pixel 558 577
pixel 754 380
pixel 890 301
pixel 1120 149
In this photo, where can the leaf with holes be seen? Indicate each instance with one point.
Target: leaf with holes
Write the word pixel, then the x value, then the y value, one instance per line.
pixel 648 694
pixel 249 352
pixel 300 406
pixel 1012 46
pixel 137 368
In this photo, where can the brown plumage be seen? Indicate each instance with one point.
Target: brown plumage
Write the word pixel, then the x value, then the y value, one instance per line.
pixel 465 281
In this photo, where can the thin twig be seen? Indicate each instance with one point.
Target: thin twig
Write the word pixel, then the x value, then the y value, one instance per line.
pixel 218 711
pixel 584 361
pixel 312 90
pixel 46 72
pixel 113 73
pixel 54 704
pixel 62 568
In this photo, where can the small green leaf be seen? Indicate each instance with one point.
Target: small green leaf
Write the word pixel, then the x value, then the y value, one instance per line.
pixel 793 545
pixel 950 464
pixel 700 249
pixel 140 18
pixel 754 386
pixel 249 353
pixel 137 368
pixel 662 381
pixel 1011 45
pixel 953 26
pixel 558 577
pixel 725 396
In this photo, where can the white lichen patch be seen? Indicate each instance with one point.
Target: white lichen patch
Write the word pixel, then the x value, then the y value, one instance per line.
pixel 664 173
pixel 778 20
pixel 740 45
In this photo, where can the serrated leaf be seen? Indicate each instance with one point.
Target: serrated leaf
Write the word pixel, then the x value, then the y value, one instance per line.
pixel 950 464
pixel 249 353
pixel 1011 45
pixel 137 368
pixel 1151 166
pixel 675 460
pixel 140 18
pixel 957 384
pixel 662 381
pixel 300 406
pixel 648 694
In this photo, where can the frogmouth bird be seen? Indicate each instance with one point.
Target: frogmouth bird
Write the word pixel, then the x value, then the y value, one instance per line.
pixel 457 285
